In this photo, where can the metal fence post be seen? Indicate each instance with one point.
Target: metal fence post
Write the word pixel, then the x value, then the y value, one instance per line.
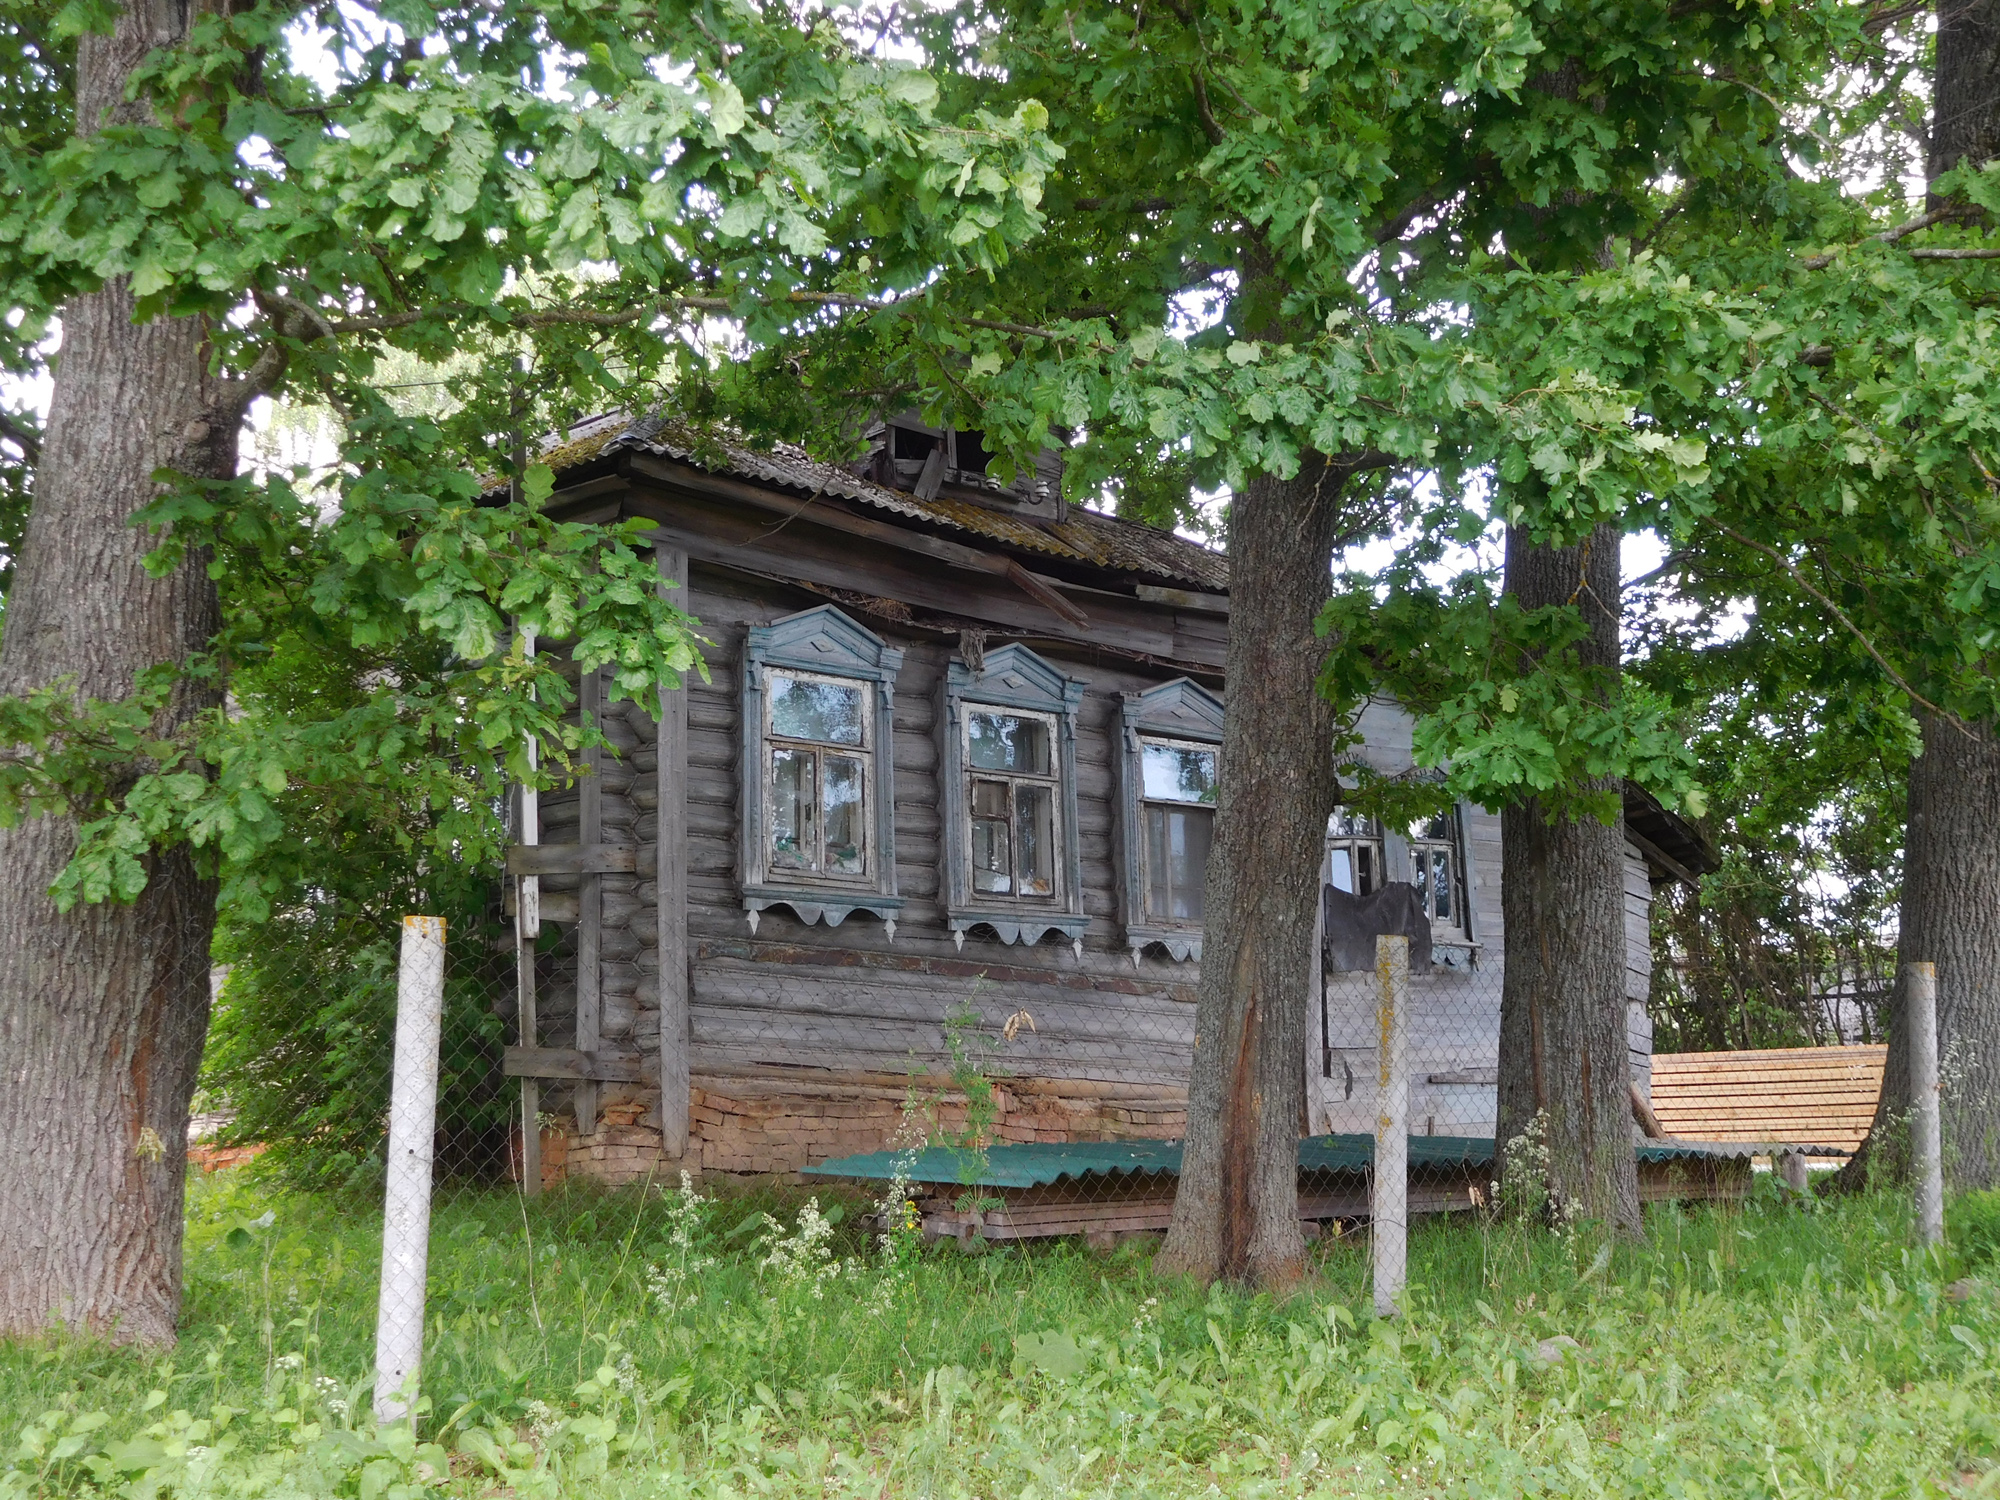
pixel 1388 1229
pixel 406 1210
pixel 1926 1128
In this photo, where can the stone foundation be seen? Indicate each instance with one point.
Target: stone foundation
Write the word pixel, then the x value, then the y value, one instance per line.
pixel 761 1124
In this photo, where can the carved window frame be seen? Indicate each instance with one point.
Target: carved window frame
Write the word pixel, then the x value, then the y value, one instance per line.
pixel 1010 678
pixel 1180 710
pixel 822 643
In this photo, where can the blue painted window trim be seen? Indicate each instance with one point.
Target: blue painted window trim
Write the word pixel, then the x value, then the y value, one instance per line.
pixel 828 643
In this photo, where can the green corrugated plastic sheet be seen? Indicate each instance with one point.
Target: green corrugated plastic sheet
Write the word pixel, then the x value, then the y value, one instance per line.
pixel 1039 1163
pixel 1032 1164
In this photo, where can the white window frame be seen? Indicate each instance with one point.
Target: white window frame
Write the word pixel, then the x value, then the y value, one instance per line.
pixel 1179 712
pixel 1427 847
pixel 1354 834
pixel 1010 680
pixel 820 750
pixel 1050 781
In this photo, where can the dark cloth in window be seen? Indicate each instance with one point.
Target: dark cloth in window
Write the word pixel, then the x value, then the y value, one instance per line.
pixel 1354 922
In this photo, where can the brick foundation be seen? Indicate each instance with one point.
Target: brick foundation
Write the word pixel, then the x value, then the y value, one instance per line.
pixel 761 1124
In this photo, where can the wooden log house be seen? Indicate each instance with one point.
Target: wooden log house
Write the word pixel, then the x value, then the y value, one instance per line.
pixel 955 758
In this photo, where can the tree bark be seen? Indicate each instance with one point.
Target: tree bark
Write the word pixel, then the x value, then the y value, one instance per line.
pixel 1965 87
pixel 1563 1052
pixel 1951 917
pixel 1236 1213
pixel 1950 911
pixel 103 1010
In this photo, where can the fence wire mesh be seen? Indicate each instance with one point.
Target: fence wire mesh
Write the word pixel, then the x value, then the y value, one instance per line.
pixel 1029 1092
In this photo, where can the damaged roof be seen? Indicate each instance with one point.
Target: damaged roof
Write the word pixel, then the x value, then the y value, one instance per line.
pixel 1086 537
pixel 1673 846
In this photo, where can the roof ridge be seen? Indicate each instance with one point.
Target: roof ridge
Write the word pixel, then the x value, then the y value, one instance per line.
pixel 1109 543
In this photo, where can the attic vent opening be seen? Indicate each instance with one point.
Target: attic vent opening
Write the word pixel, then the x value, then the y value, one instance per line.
pixel 956 464
pixel 972 455
pixel 911 446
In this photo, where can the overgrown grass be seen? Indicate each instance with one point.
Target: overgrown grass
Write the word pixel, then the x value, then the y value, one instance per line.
pixel 1776 1348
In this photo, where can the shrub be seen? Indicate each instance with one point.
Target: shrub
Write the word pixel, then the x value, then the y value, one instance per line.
pixel 1972 1225
pixel 302 1042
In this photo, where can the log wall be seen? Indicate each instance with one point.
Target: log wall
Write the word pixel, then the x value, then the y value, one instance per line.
pixel 806 1042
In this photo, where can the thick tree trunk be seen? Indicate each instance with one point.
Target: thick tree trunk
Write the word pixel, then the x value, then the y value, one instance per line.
pixel 1562 1001
pixel 1950 917
pixel 1951 845
pixel 103 1011
pixel 1236 1213
pixel 1965 86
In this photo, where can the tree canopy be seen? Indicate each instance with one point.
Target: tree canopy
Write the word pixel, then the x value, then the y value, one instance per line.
pixel 1447 268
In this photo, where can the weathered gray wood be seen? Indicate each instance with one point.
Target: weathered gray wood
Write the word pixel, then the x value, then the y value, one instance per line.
pixel 1638 900
pixel 670 820
pixel 590 897
pixel 1078 1017
pixel 555 906
pixel 815 1056
pixel 589 858
pixel 586 1069
pixel 1216 604
pixel 714 537
pixel 832 515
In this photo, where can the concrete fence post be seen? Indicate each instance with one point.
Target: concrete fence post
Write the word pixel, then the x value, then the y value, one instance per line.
pixel 1389 1217
pixel 406 1209
pixel 1926 1124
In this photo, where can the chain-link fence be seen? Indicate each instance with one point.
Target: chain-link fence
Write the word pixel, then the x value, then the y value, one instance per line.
pixel 1017 1095
pixel 1063 1082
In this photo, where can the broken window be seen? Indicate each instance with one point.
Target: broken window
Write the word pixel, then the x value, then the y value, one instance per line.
pixel 818 753
pixel 1012 802
pixel 1354 844
pixel 1437 871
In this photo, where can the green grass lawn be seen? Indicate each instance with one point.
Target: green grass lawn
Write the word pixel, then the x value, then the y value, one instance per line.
pixel 581 1347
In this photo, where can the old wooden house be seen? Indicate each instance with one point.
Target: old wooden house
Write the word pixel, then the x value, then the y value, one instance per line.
pixel 949 783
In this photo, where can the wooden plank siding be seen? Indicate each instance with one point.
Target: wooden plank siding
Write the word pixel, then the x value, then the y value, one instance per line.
pixel 1638 967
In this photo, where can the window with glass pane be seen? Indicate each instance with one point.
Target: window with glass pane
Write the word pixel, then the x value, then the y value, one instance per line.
pixel 1012 802
pixel 1178 789
pixel 1355 844
pixel 1434 869
pixel 818 741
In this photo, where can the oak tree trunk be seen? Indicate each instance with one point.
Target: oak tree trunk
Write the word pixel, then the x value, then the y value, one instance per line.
pixel 1950 911
pixel 1950 917
pixel 1236 1213
pixel 103 1010
pixel 1563 1051
pixel 1965 86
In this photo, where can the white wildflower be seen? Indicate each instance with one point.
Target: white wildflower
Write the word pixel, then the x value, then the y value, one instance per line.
pixel 544 1422
pixel 330 1394
pixel 675 1284
pixel 803 1259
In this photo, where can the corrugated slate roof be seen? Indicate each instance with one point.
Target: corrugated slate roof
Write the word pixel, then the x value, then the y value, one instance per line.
pixel 1084 536
pixel 1039 1163
pixel 1821 1096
